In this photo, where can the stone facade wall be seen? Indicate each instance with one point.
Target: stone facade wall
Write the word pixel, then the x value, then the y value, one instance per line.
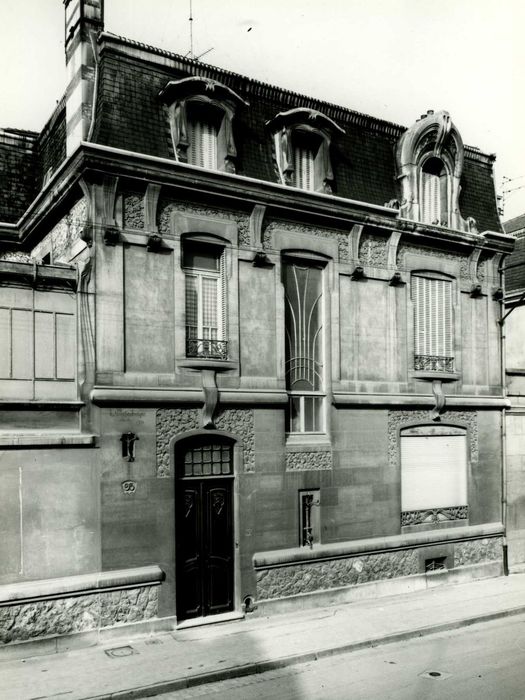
pixel 309 577
pixel 83 613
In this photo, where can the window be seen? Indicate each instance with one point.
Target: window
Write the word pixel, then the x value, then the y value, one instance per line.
pixel 202 139
pixel 304 347
pixel 201 112
pixel 429 160
pixel 309 517
pixel 433 474
pixel 205 297
pixel 433 195
pixel 304 153
pixel 302 139
pixel 433 324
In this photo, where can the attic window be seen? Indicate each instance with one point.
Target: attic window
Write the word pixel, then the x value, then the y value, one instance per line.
pixel 433 192
pixel 201 112
pixel 302 139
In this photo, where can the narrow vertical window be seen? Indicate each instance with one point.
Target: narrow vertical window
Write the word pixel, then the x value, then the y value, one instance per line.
pixel 202 137
pixel 433 191
pixel 433 333
pixel 304 347
pixel 205 313
pixel 309 518
pixel 303 164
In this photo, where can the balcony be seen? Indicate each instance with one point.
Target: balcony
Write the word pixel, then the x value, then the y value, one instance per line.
pixel 205 348
pixel 433 363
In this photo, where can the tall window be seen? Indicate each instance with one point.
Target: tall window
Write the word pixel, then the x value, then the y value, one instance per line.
pixel 304 162
pixel 304 347
pixel 205 298
pixel 202 149
pixel 203 128
pixel 433 196
pixel 433 474
pixel 433 324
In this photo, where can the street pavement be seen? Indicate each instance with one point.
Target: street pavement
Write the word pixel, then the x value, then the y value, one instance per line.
pixel 480 662
pixel 127 668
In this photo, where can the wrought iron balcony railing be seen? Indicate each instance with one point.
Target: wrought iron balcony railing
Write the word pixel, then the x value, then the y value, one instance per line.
pixel 433 363
pixel 207 349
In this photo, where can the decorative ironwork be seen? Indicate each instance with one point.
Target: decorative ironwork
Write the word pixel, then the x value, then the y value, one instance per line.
pixel 207 348
pixel 188 503
pixel 217 502
pixel 434 515
pixel 433 363
pixel 436 564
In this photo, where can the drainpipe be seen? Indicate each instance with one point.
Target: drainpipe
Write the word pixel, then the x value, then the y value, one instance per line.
pixel 503 425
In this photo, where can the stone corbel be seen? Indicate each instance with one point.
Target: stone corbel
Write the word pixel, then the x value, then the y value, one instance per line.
pixel 439 396
pixel 211 397
pixel 101 197
pixel 392 245
pixel 256 225
pixel 151 200
pixel 473 265
pixel 355 240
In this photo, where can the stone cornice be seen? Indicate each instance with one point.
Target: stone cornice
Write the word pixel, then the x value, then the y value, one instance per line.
pixel 230 190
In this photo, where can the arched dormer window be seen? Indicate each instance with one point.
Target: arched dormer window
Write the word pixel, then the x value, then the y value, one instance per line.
pixel 302 139
pixel 429 167
pixel 200 113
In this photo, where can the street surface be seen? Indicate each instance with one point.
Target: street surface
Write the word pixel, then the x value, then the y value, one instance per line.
pixel 482 662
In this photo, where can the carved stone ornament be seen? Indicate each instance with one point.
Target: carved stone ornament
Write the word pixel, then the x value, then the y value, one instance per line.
pixel 434 515
pixel 434 135
pixel 342 238
pixel 175 421
pixel 397 420
pixel 308 461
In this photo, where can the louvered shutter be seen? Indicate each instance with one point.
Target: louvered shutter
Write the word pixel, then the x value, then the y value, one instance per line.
pixel 433 471
pixel 432 316
pixel 304 168
pixel 192 306
pixel 202 148
pixel 223 293
pixel 430 197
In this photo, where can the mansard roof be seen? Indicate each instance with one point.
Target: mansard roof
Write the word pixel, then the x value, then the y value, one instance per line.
pixel 515 277
pixel 130 115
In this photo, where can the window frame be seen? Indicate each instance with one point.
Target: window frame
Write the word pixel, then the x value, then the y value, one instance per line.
pixel 206 348
pixel 312 262
pixel 433 363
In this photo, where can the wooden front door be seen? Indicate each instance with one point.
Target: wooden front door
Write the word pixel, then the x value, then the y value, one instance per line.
pixel 204 532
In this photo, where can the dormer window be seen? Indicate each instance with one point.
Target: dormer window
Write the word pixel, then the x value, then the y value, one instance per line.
pixel 302 139
pixel 201 112
pixel 429 166
pixel 433 192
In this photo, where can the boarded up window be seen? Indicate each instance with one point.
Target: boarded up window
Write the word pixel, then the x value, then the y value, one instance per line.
pixel 433 471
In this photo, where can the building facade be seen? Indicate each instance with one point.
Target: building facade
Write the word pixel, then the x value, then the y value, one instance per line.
pixel 250 350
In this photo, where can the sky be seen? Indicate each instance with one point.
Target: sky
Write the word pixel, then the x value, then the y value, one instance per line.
pixel 393 59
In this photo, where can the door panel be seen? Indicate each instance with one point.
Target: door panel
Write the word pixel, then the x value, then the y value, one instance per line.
pixel 204 547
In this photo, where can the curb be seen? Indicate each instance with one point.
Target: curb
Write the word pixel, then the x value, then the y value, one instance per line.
pixel 253 668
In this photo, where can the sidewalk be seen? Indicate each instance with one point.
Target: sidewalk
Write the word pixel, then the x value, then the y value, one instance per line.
pixel 165 662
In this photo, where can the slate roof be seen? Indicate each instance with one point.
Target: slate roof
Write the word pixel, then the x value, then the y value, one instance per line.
pixel 25 158
pixel 130 116
pixel 515 277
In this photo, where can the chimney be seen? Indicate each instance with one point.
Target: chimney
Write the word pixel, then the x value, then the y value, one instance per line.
pixel 84 19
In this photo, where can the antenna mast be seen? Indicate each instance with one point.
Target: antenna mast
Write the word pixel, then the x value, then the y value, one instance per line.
pixel 191 29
